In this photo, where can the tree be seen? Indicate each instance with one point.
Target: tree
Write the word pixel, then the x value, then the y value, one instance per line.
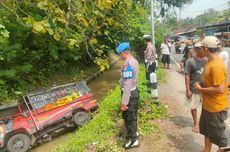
pixel 50 37
pixel 166 5
pixel 47 37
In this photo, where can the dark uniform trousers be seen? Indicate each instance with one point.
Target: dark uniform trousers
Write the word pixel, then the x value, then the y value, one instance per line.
pixel 130 115
pixel 151 68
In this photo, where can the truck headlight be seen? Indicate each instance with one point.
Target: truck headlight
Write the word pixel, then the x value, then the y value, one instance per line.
pixel 2 131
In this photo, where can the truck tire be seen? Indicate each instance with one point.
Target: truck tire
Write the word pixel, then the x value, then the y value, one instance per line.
pixel 18 143
pixel 80 118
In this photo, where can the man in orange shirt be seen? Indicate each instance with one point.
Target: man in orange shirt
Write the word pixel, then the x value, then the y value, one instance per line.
pixel 215 97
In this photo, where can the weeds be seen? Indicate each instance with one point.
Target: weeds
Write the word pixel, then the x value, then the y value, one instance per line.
pixel 101 132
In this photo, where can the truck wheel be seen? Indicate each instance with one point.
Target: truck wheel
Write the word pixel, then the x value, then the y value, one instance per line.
pixel 80 118
pixel 18 143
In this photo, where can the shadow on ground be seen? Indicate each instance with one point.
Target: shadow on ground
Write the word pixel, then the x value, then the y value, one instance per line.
pixel 185 143
pixel 182 121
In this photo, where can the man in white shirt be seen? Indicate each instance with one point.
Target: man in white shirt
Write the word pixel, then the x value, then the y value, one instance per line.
pixel 224 56
pixel 165 53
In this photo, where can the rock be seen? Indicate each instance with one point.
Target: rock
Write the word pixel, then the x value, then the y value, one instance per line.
pixel 95 143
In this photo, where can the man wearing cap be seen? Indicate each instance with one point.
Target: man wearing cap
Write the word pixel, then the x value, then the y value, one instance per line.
pixel 193 73
pixel 129 93
pixel 187 54
pixel 150 53
pixel 214 95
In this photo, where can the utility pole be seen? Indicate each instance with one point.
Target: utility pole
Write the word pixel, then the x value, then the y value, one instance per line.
pixel 179 13
pixel 152 21
pixel 204 21
pixel 153 76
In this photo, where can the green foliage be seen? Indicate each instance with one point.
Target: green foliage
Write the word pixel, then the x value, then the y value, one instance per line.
pixel 146 123
pixel 149 111
pixel 41 38
pixel 3 32
pixel 102 129
pixel 144 95
pixel 166 5
pixel 161 74
pixel 3 90
pixel 209 16
pixel 175 3
pixel 199 32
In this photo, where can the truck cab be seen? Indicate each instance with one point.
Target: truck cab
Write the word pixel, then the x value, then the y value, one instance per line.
pixel 42 114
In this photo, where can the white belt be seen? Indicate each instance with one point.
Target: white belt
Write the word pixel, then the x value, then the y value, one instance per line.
pixel 131 89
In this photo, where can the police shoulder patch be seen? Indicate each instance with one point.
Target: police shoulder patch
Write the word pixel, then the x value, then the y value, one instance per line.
pixel 125 66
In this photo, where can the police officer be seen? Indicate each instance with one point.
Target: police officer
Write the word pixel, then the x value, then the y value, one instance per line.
pixel 129 93
pixel 150 53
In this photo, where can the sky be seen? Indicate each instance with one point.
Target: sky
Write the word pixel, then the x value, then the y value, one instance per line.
pixel 199 6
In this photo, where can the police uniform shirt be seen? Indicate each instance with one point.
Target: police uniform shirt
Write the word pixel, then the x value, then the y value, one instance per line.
pixel 129 77
pixel 149 54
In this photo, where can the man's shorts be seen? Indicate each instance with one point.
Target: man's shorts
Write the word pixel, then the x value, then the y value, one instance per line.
pixel 165 59
pixel 212 125
pixel 184 61
pixel 194 102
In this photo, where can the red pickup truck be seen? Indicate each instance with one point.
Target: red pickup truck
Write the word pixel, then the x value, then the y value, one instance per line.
pixel 42 114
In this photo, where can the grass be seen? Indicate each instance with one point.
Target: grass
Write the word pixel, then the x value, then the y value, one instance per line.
pixel 161 73
pixel 102 131
pixel 63 76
